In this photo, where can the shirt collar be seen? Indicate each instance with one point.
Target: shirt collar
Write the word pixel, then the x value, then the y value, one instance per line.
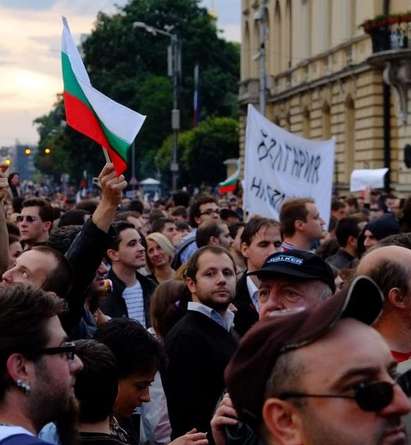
pixel 225 321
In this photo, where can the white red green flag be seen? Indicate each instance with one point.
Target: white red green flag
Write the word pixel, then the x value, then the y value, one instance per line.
pixel 230 184
pixel 93 114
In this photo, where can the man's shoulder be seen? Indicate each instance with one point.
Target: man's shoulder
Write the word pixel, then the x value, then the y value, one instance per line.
pixel 22 439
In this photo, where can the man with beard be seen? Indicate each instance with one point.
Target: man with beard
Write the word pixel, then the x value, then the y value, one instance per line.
pixel 201 343
pixel 38 366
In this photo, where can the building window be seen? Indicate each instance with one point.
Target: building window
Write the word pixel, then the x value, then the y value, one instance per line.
pixel 246 59
pixel 306 123
pixel 326 121
pixel 277 40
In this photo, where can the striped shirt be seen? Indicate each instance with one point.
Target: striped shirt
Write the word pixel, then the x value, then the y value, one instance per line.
pixel 133 296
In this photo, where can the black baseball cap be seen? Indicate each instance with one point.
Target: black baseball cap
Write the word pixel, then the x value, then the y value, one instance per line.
pixel 250 367
pixel 298 264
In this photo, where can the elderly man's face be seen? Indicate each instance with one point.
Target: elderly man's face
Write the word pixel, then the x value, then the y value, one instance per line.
pixel 351 354
pixel 280 293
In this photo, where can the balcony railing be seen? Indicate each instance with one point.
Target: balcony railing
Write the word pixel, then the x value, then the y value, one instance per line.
pixel 389 33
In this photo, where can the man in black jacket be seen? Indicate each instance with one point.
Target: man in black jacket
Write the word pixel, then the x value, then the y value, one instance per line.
pixel 260 238
pixel 131 291
pixel 201 343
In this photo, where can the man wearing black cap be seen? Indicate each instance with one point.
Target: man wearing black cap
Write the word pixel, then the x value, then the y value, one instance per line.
pixel 293 279
pixel 320 376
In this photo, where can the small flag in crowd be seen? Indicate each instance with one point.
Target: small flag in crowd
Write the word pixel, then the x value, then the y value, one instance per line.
pixel 230 184
pixel 90 112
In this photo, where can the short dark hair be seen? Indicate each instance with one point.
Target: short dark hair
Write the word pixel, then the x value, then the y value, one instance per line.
pixel 195 208
pixel 97 383
pixel 192 264
pixel 118 227
pixel 158 224
pixel 181 198
pixel 234 228
pixel 58 280
pixel 228 213
pixel 135 349
pixel 125 214
pixel 136 206
pixel 89 205
pixel 61 238
pixel 182 225
pixel 167 305
pixel 254 225
pixel 400 239
pixel 206 230
pixel 291 211
pixel 75 217
pixel 346 227
pixel 179 211
pixel 337 205
pixel 46 212
pixel 24 313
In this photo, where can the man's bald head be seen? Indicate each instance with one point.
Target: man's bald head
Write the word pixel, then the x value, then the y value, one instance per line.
pixel 390 268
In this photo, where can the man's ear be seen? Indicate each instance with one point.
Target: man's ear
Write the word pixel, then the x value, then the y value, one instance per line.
pixel 213 241
pixel 283 422
pixel 396 297
pixel 48 225
pixel 244 249
pixel 113 255
pixel 298 225
pixel 352 241
pixel 191 285
pixel 18 367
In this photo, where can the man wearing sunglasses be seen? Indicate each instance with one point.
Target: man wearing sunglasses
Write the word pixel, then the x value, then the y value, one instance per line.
pixel 320 376
pixel 35 221
pixel 38 366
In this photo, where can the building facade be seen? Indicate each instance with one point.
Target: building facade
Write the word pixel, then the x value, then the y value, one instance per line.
pixel 324 78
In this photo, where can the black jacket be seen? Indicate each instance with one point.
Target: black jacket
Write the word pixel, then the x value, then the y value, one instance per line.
pixel 115 306
pixel 84 255
pixel 246 314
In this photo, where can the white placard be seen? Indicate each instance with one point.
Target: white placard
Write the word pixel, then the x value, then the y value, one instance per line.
pixel 367 178
pixel 280 165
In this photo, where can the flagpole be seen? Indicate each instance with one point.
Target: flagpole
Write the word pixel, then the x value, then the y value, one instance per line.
pixel 106 154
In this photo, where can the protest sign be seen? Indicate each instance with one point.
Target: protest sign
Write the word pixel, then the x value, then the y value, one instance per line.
pixel 280 165
pixel 367 178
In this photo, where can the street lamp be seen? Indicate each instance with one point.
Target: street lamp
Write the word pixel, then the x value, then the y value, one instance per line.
pixel 261 18
pixel 174 71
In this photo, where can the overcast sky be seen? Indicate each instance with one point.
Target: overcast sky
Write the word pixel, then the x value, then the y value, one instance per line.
pixel 30 54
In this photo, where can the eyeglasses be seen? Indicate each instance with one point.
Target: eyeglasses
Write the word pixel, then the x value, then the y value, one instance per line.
pixel 373 396
pixel 69 349
pixel 28 218
pixel 210 212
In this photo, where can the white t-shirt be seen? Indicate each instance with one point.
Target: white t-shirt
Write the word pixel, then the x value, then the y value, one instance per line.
pixel 133 296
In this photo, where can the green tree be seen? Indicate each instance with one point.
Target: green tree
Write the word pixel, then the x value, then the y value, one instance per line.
pixel 202 151
pixel 130 66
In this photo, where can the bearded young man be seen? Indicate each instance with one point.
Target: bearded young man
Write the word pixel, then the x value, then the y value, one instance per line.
pixel 201 343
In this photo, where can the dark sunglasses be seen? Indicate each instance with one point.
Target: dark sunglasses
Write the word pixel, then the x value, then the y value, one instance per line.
pixel 69 349
pixel 28 218
pixel 369 396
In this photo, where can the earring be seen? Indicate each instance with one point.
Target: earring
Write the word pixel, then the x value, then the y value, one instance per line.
pixel 24 386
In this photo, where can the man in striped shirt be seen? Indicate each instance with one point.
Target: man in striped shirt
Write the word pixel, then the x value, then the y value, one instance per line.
pixel 131 290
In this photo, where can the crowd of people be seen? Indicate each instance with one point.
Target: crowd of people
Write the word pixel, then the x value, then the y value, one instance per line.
pixel 186 321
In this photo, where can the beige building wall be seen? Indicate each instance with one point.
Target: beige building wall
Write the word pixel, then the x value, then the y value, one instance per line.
pixel 319 83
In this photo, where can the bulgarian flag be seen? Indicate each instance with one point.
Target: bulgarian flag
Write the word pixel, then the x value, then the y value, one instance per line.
pixel 90 112
pixel 229 185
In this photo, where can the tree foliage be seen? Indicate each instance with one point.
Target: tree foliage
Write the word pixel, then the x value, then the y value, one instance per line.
pixel 130 65
pixel 202 151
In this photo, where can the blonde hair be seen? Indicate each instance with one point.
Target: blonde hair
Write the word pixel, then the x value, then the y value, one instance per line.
pixel 163 242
